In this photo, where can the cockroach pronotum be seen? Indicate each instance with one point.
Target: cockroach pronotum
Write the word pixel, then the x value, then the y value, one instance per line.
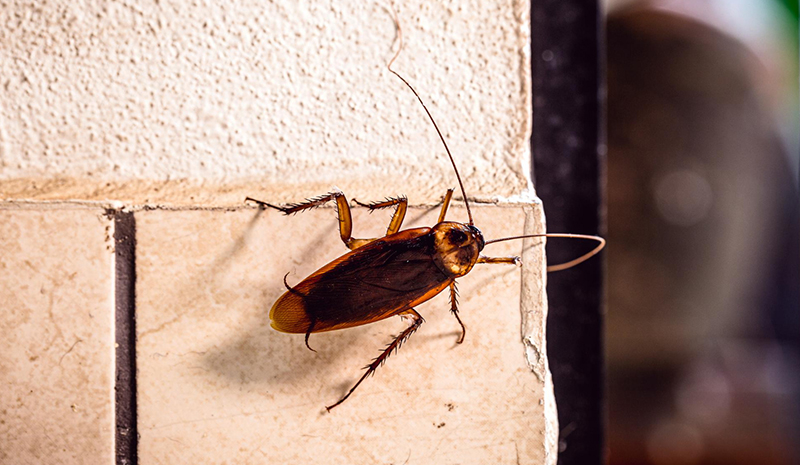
pixel 389 275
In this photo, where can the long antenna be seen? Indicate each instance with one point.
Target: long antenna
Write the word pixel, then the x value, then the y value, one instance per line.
pixel 571 263
pixel 389 67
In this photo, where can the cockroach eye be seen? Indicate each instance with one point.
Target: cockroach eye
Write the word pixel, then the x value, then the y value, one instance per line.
pixel 457 237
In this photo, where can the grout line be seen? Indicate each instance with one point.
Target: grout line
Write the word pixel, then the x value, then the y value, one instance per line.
pixel 127 436
pixel 118 207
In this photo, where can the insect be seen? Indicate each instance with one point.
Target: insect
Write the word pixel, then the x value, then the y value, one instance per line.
pixel 393 274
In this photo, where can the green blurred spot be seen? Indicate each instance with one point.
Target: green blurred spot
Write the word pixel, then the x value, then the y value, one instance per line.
pixel 793 7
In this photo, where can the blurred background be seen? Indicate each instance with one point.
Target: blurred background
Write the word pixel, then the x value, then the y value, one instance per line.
pixel 703 323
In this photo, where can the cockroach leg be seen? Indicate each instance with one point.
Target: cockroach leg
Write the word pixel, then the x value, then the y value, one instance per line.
pixel 261 204
pixel 308 203
pixel 342 210
pixel 399 212
pixel 454 310
pixel 417 320
pixel 445 204
pixel 502 260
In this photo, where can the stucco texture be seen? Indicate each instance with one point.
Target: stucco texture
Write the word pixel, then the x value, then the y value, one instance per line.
pixel 178 102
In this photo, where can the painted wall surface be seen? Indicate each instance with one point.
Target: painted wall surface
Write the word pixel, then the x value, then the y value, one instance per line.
pixel 183 102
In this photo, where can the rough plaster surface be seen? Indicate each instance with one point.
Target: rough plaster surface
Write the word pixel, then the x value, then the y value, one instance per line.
pixel 216 383
pixel 56 349
pixel 206 102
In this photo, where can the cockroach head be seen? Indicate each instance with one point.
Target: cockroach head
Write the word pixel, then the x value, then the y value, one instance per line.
pixel 457 247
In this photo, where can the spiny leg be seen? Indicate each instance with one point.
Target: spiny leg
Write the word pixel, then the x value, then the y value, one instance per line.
pixel 454 291
pixel 502 260
pixel 454 310
pixel 417 320
pixel 262 204
pixel 445 204
pixel 313 202
pixel 342 210
pixel 399 212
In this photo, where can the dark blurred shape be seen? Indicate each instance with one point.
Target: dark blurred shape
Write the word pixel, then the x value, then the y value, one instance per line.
pixel 566 133
pixel 703 323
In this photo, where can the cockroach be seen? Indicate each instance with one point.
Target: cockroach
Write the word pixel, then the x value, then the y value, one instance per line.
pixel 389 275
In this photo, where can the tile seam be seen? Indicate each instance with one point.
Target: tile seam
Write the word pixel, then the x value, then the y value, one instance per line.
pixel 126 433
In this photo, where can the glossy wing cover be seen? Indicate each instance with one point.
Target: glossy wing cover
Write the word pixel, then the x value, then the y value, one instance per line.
pixel 380 279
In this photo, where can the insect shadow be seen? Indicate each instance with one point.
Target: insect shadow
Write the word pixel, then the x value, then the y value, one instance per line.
pixel 188 296
pixel 258 354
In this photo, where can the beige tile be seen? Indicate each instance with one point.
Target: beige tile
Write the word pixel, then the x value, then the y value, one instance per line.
pixel 218 385
pixel 56 352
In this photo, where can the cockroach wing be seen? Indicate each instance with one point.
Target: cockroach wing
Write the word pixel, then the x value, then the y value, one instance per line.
pixel 379 279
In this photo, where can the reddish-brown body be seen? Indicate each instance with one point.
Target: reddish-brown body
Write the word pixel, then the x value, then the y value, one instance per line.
pixel 384 277
pixel 375 281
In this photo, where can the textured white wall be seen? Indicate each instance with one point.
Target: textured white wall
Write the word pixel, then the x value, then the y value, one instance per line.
pixel 205 102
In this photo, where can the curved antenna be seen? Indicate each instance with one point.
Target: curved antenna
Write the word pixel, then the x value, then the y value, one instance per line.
pixel 389 67
pixel 571 263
